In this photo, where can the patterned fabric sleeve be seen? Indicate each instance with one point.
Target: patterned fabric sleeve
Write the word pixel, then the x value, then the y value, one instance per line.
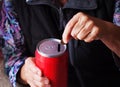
pixel 116 17
pixel 12 41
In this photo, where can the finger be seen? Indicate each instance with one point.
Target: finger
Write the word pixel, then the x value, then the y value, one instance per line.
pixel 85 31
pixel 43 83
pixel 31 84
pixel 31 64
pixel 93 35
pixel 48 85
pixel 67 32
pixel 79 26
pixel 34 83
pixel 45 80
pixel 36 70
pixel 76 30
pixel 41 79
pixel 37 77
pixel 38 84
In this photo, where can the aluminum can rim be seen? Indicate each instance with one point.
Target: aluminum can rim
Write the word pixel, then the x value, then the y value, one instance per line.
pixel 53 55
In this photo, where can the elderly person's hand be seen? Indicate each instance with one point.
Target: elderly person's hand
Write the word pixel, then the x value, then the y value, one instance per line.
pixel 84 27
pixel 32 75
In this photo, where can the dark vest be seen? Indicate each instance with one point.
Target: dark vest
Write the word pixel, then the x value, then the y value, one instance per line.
pixel 93 62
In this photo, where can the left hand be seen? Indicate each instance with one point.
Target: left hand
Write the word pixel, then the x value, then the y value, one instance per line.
pixel 32 75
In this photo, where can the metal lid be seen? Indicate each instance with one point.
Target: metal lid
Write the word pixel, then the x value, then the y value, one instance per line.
pixel 51 47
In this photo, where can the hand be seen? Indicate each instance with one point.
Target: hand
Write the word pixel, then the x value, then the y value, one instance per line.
pixel 84 27
pixel 32 75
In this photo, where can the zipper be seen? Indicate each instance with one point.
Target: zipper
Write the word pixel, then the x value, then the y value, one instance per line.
pixel 59 10
pixel 61 19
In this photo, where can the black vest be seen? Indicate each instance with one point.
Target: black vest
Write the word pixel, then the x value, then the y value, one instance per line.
pixel 93 62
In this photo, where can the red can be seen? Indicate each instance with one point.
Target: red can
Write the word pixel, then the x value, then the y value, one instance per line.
pixel 52 58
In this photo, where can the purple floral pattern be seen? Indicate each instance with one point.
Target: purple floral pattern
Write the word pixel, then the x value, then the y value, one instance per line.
pixel 13 41
pixel 116 19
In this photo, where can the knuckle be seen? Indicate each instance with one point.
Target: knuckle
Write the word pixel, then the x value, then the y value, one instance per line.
pixel 73 34
pixel 80 13
pixel 91 22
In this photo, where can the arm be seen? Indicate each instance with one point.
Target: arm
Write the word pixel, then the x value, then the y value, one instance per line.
pixel 112 38
pixel 87 28
pixel 13 42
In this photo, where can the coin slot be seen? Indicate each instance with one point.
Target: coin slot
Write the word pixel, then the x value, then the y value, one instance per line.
pixel 58 47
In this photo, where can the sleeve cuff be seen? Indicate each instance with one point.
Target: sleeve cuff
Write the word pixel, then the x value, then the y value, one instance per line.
pixel 14 70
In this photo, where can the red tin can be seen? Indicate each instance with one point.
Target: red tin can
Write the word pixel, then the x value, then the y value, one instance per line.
pixel 52 58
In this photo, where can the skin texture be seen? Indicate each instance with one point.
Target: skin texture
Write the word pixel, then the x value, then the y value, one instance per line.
pixel 80 27
pixel 32 75
pixel 87 28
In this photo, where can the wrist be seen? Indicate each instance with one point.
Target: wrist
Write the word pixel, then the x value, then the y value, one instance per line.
pixel 19 79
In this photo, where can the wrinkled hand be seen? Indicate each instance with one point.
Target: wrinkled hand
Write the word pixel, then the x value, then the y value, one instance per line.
pixel 84 27
pixel 32 75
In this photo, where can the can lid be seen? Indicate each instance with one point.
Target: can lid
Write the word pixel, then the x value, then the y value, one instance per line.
pixel 51 47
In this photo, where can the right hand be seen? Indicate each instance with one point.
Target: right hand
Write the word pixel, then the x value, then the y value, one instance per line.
pixel 84 27
pixel 32 75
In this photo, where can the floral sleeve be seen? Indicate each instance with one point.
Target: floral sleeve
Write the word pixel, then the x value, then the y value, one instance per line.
pixel 12 41
pixel 116 17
